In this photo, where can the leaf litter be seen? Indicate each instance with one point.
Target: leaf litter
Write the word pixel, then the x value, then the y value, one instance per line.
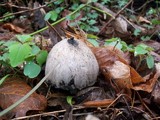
pixel 123 89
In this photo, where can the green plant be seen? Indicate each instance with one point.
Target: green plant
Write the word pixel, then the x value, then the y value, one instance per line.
pixel 93 40
pixel 86 23
pixel 7 16
pixel 23 52
pixel 88 20
pixel 118 43
pixel 143 49
pixel 3 79
pixel 69 100
pixel 138 50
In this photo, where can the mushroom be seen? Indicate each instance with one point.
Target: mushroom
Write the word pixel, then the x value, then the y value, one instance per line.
pixel 72 64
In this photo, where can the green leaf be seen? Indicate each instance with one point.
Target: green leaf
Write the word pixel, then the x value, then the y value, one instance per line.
pixel 3 79
pixel 94 29
pixel 24 38
pixel 41 57
pixel 4 57
pixel 92 15
pixel 92 36
pixel 145 38
pixel 93 42
pixel 59 9
pixel 35 50
pixel 73 17
pixel 74 6
pixel 151 11
pixel 54 15
pixel 115 43
pixel 148 26
pixel 17 53
pixel 139 50
pixel 31 69
pixel 47 16
pixel 155 22
pixel 150 61
pixel 69 100
pixel 137 32
pixel 91 22
pixel 10 43
pixel 57 2
pixel 51 15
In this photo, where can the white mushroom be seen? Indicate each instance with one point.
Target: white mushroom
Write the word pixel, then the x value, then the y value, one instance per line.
pixel 73 65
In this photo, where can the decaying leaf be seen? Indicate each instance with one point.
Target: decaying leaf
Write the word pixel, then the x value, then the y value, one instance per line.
pixel 13 28
pixel 14 89
pixel 121 74
pixel 114 67
pixel 142 19
pixel 150 83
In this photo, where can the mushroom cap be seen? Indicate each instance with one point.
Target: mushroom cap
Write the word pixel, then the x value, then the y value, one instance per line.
pixel 73 65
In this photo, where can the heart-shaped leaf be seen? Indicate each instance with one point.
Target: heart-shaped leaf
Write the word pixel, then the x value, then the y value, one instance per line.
pixel 41 57
pixel 18 52
pixel 31 69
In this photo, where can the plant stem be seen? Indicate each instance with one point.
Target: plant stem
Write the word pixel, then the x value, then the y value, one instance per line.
pixel 60 20
pixel 99 10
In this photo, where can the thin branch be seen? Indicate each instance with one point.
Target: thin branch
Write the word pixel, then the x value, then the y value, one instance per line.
pixel 47 113
pixel 60 20
pixel 115 16
pixel 28 9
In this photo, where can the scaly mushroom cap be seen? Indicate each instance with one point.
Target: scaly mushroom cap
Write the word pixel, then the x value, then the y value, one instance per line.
pixel 73 65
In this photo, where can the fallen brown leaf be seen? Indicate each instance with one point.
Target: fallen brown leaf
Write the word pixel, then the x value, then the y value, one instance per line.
pixel 149 84
pixel 14 89
pixel 142 19
pixel 113 66
pixel 13 28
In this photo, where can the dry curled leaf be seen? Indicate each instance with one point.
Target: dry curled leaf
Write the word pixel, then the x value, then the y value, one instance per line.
pixel 150 83
pixel 14 89
pixel 143 20
pixel 115 67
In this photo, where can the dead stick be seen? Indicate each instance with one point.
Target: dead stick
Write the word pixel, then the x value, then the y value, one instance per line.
pixel 115 17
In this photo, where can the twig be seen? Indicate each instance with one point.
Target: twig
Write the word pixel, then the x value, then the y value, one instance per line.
pixel 60 20
pixel 102 11
pixel 47 113
pixel 115 16
pixel 143 5
pixel 12 5
pixel 145 105
pixel 29 10
pixel 54 29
